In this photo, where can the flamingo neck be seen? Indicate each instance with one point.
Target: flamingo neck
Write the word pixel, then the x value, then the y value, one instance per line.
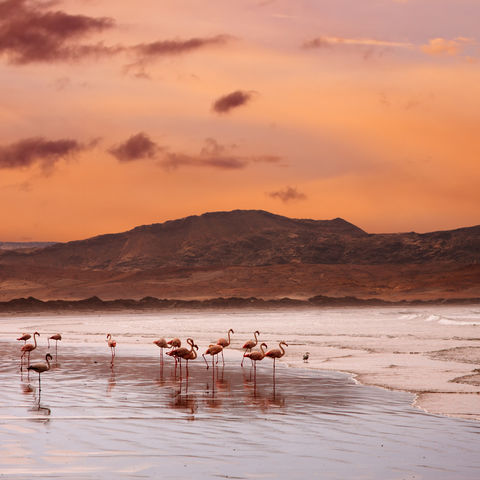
pixel 229 337
pixel 256 339
pixel 35 339
pixel 281 348
pixel 261 349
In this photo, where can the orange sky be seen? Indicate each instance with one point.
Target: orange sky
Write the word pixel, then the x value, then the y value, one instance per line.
pixel 115 115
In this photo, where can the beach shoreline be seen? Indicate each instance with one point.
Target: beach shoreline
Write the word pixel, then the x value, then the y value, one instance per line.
pixel 419 350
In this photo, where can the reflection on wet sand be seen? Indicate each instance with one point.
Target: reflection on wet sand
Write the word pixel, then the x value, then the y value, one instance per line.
pixel 285 425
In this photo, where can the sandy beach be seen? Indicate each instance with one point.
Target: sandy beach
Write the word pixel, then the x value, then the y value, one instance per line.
pixel 91 420
pixel 431 351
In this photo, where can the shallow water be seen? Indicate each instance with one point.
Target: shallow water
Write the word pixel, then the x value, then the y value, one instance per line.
pixel 142 420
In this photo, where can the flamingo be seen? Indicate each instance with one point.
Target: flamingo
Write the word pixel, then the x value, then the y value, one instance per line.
pixel 179 353
pixel 112 344
pixel 40 368
pixel 24 337
pixel 27 348
pixel 185 353
pixel 224 342
pixel 276 353
pixel 212 350
pixel 249 345
pixel 55 337
pixel 256 356
pixel 161 343
pixel 174 343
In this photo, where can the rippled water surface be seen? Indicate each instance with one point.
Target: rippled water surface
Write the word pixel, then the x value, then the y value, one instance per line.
pixel 142 420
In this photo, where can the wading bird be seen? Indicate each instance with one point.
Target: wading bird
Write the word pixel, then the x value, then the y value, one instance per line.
pixel 249 345
pixel 40 368
pixel 174 343
pixel 306 356
pixel 212 350
pixel 256 356
pixel 185 353
pixel 161 343
pixel 24 337
pixel 28 348
pixel 276 353
pixel 55 337
pixel 225 342
pixel 112 344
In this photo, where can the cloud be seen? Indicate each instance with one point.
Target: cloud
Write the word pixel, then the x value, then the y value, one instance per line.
pixel 442 46
pixel 176 47
pixel 38 150
pixel 366 46
pixel 330 42
pixel 288 194
pixel 232 100
pixel 146 53
pixel 29 32
pixel 137 147
pixel 211 155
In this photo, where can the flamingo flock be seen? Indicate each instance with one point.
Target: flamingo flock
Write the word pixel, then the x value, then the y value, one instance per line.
pixel 174 347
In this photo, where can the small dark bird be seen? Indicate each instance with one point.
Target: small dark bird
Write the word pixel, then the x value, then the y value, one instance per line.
pixel 306 356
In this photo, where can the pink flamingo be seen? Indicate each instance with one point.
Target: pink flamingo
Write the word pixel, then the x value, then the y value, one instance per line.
pixel 225 342
pixel 185 353
pixel 55 337
pixel 276 353
pixel 256 356
pixel 28 348
pixel 249 345
pixel 212 350
pixel 112 344
pixel 24 337
pixel 161 343
pixel 174 343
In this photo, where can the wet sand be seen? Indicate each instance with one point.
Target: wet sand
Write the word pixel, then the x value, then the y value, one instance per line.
pixel 432 352
pixel 142 419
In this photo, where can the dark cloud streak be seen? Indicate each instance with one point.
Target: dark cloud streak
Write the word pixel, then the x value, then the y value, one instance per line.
pixel 137 147
pixel 30 34
pixel 37 150
pixel 211 155
pixel 232 100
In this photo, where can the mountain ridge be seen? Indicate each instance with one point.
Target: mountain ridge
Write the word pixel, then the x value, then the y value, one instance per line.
pixel 249 253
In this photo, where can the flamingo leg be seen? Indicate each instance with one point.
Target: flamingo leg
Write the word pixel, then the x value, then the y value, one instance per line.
pixel 223 359
pixel 206 363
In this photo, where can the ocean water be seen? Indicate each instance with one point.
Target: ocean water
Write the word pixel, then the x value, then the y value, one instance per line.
pixel 143 418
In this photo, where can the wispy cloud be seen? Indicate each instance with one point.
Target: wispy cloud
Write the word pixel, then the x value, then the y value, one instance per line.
pixel 330 42
pixel 29 32
pixel 288 194
pixel 443 46
pixel 38 150
pixel 212 155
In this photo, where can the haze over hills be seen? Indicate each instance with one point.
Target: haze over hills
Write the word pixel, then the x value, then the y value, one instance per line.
pixel 248 253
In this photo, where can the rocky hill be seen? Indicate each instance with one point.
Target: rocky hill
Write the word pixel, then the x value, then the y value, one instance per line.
pixel 248 253
pixel 252 238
